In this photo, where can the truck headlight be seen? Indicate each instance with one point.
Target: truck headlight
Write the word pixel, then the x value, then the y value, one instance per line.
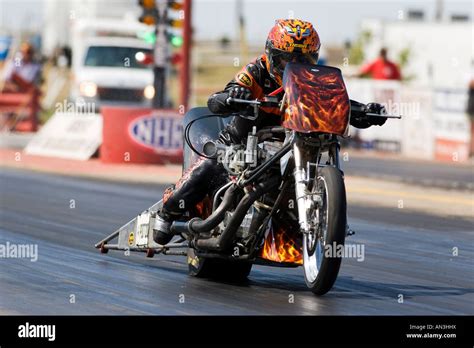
pixel 88 89
pixel 149 92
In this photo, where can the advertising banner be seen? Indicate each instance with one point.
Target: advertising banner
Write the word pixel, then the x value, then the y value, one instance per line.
pixel 141 135
pixel 68 135
pixel 451 125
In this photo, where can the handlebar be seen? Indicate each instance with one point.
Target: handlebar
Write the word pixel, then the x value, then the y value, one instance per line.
pixel 359 107
pixel 273 102
pixel 267 101
pixel 230 100
pixel 385 116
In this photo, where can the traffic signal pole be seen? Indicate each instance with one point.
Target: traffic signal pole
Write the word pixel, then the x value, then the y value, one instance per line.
pixel 159 68
pixel 160 58
pixel 159 84
pixel 156 12
pixel 186 51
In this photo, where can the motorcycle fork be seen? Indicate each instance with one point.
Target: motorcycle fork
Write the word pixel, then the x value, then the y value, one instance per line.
pixel 306 198
pixel 302 179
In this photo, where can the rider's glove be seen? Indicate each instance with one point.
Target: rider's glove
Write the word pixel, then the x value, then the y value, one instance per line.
pixel 240 93
pixel 219 104
pixel 379 109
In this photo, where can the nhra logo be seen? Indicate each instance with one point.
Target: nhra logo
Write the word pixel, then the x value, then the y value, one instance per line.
pixel 158 132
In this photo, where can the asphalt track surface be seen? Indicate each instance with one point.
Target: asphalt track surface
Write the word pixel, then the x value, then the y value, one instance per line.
pixel 410 171
pixel 406 254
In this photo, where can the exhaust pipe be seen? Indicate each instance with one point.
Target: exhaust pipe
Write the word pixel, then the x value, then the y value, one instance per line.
pixel 197 225
pixel 224 241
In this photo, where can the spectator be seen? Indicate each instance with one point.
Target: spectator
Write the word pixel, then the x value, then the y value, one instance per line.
pixel 22 73
pixel 382 68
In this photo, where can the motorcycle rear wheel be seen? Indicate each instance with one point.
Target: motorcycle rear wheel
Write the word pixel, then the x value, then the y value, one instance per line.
pixel 320 271
pixel 220 269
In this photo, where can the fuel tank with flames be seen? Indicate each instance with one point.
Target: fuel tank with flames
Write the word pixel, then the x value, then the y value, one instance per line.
pixel 316 99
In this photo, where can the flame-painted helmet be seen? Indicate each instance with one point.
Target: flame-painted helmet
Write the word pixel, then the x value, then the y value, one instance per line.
pixel 290 40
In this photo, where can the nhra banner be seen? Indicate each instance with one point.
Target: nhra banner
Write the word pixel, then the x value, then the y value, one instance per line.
pixel 141 135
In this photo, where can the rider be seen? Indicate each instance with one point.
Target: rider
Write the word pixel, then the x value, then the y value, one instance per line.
pixel 291 40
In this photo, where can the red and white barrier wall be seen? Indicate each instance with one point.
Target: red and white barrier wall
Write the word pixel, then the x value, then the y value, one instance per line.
pixel 434 122
pixel 434 126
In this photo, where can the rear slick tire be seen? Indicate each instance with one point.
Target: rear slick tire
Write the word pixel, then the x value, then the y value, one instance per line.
pixel 320 271
pixel 219 269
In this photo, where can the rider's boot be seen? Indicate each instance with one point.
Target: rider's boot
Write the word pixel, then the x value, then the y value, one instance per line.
pixel 202 177
pixel 161 230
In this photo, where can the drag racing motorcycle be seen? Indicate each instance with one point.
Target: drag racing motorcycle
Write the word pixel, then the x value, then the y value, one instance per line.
pixel 284 203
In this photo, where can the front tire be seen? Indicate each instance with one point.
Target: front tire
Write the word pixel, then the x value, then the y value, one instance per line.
pixel 321 271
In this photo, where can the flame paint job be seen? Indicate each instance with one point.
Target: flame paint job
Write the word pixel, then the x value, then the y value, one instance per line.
pixel 293 34
pixel 317 99
pixel 283 243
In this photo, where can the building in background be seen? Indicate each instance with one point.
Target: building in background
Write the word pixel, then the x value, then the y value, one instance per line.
pixel 436 58
pixel 432 53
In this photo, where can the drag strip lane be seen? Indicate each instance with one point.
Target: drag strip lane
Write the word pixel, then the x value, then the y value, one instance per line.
pixel 406 253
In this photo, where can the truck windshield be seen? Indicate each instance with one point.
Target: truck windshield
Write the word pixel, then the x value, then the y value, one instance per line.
pixel 111 56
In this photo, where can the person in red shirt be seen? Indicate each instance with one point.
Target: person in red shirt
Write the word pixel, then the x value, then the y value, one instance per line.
pixel 382 68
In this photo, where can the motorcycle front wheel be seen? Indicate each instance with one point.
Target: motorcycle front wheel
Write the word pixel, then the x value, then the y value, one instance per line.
pixel 321 247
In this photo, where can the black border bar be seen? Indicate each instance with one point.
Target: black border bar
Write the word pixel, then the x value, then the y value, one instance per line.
pixel 258 330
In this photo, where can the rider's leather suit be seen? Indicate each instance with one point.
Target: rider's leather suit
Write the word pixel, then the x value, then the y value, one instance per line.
pixel 207 175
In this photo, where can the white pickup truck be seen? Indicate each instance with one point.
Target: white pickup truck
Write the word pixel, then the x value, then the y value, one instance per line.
pixel 107 65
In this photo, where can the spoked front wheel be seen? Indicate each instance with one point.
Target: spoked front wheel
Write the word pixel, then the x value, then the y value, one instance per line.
pixel 321 259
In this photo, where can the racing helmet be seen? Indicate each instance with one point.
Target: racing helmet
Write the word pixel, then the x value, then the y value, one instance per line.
pixel 290 40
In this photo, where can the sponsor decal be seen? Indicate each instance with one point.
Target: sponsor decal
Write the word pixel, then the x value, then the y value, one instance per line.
pixel 158 132
pixel 194 261
pixel 298 45
pixel 245 79
pixel 131 238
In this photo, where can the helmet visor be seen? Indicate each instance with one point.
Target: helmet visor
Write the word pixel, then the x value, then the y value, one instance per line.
pixel 281 58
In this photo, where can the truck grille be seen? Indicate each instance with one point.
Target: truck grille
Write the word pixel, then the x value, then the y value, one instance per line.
pixel 120 94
